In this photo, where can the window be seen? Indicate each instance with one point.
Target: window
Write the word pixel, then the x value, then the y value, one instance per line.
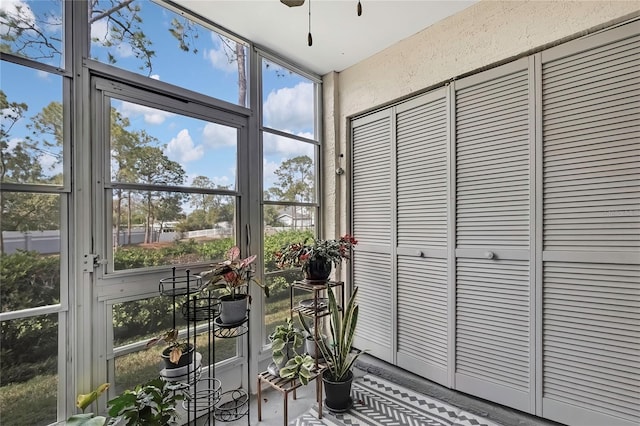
pixel 173 187
pixel 149 39
pixel 34 30
pixel 33 237
pixel 290 147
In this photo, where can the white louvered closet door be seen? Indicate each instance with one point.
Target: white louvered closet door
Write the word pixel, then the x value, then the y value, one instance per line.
pixel 372 201
pixel 493 201
pixel 422 182
pixel 591 269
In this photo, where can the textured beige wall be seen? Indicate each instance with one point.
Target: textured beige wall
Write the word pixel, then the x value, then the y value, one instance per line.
pixel 484 34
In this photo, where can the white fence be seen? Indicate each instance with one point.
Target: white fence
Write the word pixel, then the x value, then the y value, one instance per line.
pixel 48 242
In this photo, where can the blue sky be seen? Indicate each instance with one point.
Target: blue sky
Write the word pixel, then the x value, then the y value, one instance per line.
pixel 201 148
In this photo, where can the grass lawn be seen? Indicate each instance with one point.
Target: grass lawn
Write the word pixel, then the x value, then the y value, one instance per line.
pixel 32 403
pixel 17 400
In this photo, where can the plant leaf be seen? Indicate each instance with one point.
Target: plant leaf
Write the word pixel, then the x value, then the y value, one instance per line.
pixel 87 419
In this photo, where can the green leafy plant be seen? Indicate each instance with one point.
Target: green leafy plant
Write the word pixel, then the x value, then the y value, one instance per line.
pixel 299 254
pixel 300 366
pixel 82 402
pixel 178 347
pixel 151 403
pixel 338 353
pixel 281 336
pixel 232 273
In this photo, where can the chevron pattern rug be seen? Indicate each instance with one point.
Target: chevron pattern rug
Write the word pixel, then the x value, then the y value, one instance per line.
pixel 381 403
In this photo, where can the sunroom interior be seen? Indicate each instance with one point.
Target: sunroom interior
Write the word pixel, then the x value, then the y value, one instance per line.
pixel 485 155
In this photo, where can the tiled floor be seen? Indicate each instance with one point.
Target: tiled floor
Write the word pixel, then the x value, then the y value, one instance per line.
pixel 272 404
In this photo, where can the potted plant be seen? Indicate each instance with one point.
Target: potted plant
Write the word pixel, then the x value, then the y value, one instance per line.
pixel 317 257
pixel 82 402
pixel 232 274
pixel 284 341
pixel 300 366
pixel 338 353
pixel 151 403
pixel 310 345
pixel 179 353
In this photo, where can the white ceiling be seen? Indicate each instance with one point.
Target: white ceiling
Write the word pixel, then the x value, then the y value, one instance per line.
pixel 340 37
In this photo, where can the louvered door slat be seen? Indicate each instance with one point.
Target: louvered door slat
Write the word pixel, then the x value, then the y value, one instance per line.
pixel 372 275
pixel 582 180
pixel 591 176
pixel 422 191
pixel 422 314
pixel 372 210
pixel 480 330
pixel 421 175
pixel 589 337
pixel 493 203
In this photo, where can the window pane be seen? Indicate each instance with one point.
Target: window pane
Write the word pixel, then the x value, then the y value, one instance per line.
pixel 285 225
pixel 32 133
pixel 275 237
pixel 157 39
pixel 156 147
pixel 289 169
pixel 28 377
pixel 33 29
pixel 140 320
pixel 277 308
pixel 30 258
pixel 159 228
pixel 288 101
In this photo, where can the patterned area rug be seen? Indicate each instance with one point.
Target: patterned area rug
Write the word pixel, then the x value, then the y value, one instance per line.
pixel 379 402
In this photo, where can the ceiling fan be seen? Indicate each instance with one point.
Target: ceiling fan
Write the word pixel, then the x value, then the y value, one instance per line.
pixel 292 3
pixel 296 3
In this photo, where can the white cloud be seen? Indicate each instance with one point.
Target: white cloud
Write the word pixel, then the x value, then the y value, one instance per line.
pixel 182 149
pixel 20 11
pixel 50 164
pixel 11 145
pixel 43 74
pixel 274 145
pixel 221 180
pixel 100 30
pixel 155 77
pixel 290 107
pixel 268 170
pixel 219 136
pixel 151 115
pixel 220 54
pixel 53 24
pixel 124 50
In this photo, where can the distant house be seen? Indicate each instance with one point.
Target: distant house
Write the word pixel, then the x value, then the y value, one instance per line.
pixel 296 217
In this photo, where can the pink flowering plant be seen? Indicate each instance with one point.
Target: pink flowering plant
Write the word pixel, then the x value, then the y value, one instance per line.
pixel 299 254
pixel 232 273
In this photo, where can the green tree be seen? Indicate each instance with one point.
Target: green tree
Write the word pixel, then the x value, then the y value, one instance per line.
pixel 271 215
pixel 295 180
pixel 154 168
pixel 295 183
pixel 19 163
pixel 47 135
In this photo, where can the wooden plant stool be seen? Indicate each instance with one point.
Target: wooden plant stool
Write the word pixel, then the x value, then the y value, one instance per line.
pixel 287 386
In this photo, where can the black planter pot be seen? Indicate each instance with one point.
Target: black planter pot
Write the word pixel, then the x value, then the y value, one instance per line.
pixel 317 269
pixel 338 394
pixel 185 359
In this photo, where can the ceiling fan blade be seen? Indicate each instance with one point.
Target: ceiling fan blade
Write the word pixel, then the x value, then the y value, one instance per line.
pixel 292 3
